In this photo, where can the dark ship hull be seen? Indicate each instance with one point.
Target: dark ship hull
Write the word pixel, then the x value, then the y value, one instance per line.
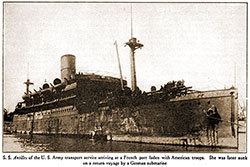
pixel 95 106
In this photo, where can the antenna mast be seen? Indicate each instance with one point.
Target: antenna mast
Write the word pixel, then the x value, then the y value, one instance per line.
pixel 235 75
pixel 134 44
pixel 28 83
pixel 131 14
pixel 28 70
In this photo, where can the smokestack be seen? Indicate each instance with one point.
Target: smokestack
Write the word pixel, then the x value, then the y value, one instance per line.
pixel 68 67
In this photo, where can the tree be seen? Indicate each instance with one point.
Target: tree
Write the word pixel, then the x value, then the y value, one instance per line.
pixel 7 116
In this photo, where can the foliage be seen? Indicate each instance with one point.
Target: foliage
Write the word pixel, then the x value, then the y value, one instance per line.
pixel 7 116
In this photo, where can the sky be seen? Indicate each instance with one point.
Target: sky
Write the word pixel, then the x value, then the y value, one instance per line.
pixel 202 43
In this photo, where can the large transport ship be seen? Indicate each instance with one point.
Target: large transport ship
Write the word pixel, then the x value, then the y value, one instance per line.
pixel 103 107
pixel 96 106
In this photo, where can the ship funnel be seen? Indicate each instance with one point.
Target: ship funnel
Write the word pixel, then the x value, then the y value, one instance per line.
pixel 68 67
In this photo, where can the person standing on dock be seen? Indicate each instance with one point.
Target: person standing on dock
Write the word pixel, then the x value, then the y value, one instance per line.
pixel 213 118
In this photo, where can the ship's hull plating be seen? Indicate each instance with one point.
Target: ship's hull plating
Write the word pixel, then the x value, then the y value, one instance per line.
pixel 181 121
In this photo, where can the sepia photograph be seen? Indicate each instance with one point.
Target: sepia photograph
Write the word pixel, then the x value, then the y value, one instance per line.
pixel 125 77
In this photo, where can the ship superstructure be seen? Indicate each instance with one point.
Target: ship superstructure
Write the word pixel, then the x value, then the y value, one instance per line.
pixel 72 89
pixel 94 105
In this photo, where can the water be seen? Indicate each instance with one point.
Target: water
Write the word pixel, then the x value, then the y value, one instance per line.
pixel 42 143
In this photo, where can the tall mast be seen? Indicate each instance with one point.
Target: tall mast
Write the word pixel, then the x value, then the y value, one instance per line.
pixel 235 75
pixel 120 69
pixel 134 44
pixel 131 19
pixel 28 83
